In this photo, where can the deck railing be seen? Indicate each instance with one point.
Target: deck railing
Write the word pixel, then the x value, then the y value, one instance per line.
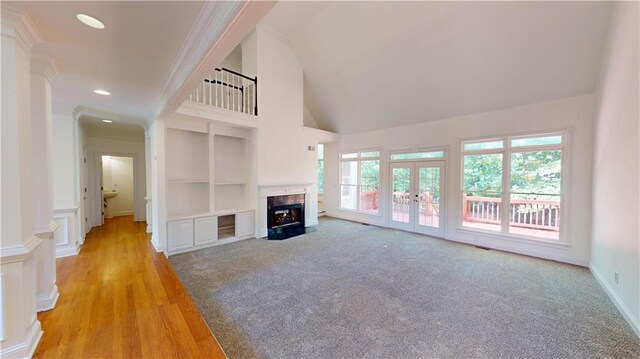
pixel 229 90
pixel 526 213
pixel 402 200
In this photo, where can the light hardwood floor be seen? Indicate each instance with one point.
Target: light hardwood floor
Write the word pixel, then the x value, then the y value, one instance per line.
pixel 119 298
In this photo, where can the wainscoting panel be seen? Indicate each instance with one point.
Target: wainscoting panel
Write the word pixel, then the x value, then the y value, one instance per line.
pixel 65 236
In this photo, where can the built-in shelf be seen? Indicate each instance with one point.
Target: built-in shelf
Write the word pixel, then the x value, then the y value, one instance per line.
pixel 226 226
pixel 208 183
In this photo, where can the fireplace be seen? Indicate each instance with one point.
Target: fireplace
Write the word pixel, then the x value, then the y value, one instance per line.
pixel 285 216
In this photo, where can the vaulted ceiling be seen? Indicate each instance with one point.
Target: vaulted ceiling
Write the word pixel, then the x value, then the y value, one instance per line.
pixel 373 65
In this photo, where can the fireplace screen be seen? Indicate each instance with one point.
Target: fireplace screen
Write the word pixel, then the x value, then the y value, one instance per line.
pixel 285 216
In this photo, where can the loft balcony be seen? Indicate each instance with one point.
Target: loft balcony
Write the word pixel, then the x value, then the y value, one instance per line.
pixel 229 90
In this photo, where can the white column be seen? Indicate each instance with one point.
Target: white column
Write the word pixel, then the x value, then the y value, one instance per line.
pixel 148 177
pixel 21 329
pixel 158 190
pixel 42 70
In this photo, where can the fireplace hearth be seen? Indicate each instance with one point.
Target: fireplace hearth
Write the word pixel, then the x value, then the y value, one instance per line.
pixel 285 216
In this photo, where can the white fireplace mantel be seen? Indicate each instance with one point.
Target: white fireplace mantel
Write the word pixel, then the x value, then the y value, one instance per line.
pixel 283 189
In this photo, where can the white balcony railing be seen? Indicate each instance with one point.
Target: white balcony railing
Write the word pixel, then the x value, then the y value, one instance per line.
pixel 229 90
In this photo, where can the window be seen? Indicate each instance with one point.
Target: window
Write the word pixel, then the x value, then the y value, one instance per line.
pixel 320 168
pixel 417 155
pixel 360 181
pixel 530 168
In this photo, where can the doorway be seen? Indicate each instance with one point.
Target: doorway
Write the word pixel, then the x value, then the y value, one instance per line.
pixel 417 197
pixel 117 186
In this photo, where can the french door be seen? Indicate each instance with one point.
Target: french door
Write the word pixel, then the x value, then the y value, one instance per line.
pixel 417 197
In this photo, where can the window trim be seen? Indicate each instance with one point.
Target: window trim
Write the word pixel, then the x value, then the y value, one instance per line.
pixel 359 160
pixel 506 151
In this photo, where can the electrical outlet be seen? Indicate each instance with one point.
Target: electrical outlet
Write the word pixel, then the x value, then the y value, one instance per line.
pixel 615 277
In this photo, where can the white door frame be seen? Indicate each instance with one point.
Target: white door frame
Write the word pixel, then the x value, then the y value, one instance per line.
pixel 97 197
pixel 413 225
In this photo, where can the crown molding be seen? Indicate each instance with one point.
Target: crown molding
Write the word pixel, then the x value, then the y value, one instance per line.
pixel 208 27
pixel 17 24
pixel 44 65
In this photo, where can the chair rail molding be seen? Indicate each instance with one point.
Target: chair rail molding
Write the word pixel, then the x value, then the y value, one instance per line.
pixel 20 253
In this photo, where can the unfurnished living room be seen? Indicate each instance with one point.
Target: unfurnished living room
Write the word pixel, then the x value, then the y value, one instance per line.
pixel 367 179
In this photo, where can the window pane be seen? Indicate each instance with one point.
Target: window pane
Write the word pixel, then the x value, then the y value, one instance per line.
pixel 349 173
pixel 483 145
pixel 369 199
pixel 482 191
pixel 349 155
pixel 349 197
pixel 483 173
pixel 429 199
pixel 417 155
pixel 536 141
pixel 481 210
pixel 320 151
pixel 538 217
pixel 349 188
pixel 370 154
pixel 370 173
pixel 369 181
pixel 320 176
pixel 401 202
pixel 535 193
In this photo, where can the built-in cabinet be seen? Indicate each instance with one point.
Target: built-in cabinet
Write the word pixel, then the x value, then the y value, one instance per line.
pixel 208 179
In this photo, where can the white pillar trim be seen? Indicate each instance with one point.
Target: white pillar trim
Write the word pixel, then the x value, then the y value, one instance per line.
pixel 44 65
pixel 17 24
pixel 21 252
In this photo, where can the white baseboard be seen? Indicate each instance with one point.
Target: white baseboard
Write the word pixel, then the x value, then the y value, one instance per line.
pixel 26 348
pixel 49 301
pixel 67 250
pixel 626 313
pixel 153 243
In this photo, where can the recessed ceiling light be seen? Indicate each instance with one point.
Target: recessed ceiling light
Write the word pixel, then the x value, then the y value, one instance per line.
pixel 90 21
pixel 107 121
pixel 102 92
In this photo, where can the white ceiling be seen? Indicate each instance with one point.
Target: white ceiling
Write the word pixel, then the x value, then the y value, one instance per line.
pixel 373 65
pixel 130 58
pixel 95 127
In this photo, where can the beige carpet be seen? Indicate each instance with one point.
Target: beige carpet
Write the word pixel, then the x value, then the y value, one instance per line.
pixel 354 291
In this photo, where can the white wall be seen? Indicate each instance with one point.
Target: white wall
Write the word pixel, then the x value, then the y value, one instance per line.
pixel 64 172
pixel 117 175
pixel 97 147
pixel 616 169
pixel 66 207
pixel 281 140
pixel 574 114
